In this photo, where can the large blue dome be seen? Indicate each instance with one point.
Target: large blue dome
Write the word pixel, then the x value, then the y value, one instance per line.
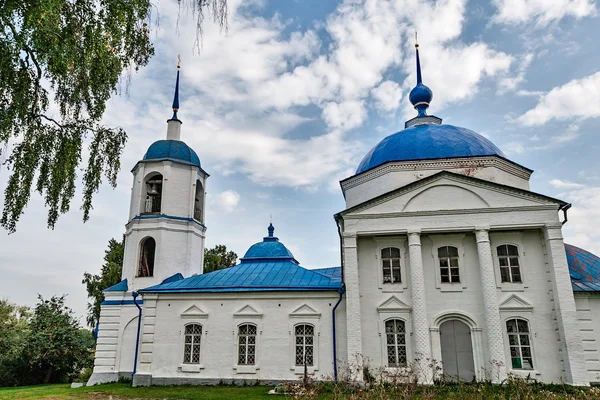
pixel 175 150
pixel 430 141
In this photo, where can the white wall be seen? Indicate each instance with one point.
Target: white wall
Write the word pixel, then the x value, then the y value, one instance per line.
pixel 588 313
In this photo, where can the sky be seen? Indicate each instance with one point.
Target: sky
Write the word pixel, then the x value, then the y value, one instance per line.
pixel 287 101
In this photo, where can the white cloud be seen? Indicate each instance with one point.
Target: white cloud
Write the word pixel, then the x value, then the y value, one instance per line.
pixel 584 218
pixel 344 116
pixel 511 83
pixel 577 98
pixel 387 96
pixel 560 184
pixel 541 11
pixel 228 200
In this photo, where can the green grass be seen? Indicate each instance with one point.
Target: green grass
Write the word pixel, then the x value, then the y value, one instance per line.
pixel 122 391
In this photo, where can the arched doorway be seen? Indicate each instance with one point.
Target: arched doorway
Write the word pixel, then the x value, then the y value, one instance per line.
pixel 457 351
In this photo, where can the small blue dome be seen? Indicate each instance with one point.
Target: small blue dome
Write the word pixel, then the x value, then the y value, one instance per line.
pixel 175 150
pixel 426 142
pixel 269 248
pixel 420 94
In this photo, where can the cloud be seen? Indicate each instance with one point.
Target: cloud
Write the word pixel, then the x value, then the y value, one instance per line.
pixel 511 83
pixel 541 11
pixel 387 96
pixel 228 200
pixel 344 116
pixel 557 183
pixel 584 218
pixel 577 98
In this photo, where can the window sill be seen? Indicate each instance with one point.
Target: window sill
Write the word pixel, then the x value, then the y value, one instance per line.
pixel 398 371
pixel 246 369
pixel 392 287
pixel 190 367
pixel 451 287
pixel 524 373
pixel 512 287
pixel 299 370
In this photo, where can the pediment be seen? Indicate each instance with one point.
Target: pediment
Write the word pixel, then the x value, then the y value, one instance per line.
pixel 449 192
pixel 305 311
pixel 393 304
pixel 247 311
pixel 515 303
pixel 194 311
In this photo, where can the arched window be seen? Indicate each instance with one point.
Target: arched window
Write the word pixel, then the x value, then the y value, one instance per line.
pixel 247 344
pixel 153 194
pixel 305 339
pixel 199 202
pixel 390 264
pixel 448 256
pixel 508 259
pixel 191 346
pixel 395 333
pixel 519 341
pixel 147 251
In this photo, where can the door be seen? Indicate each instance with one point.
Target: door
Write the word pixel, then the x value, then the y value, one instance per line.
pixel 457 351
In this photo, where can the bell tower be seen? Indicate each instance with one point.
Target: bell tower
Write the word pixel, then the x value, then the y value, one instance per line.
pixel 165 233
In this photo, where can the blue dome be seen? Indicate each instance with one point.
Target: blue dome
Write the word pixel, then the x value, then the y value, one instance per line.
pixel 269 248
pixel 175 150
pixel 420 94
pixel 584 268
pixel 426 142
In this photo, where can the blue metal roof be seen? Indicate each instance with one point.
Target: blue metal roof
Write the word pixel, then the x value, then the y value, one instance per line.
pixel 430 141
pixel 174 150
pixel 584 268
pixel 119 287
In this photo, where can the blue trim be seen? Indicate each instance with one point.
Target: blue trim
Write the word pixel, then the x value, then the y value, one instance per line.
pixel 137 342
pixel 169 217
pixel 237 289
pixel 119 302
pixel 119 287
pixel 335 371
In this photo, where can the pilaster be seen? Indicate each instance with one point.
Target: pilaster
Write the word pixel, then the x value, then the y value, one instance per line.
pixel 354 331
pixel 566 312
pixel 493 326
pixel 421 334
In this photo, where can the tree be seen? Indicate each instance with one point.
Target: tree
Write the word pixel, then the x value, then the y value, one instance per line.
pixel 72 54
pixel 218 258
pixel 110 275
pixel 13 337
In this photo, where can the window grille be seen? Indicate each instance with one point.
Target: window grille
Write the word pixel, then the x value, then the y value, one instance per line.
pixel 191 349
pixel 305 337
pixel 508 259
pixel 395 333
pixel 448 257
pixel 390 264
pixel 519 341
pixel 247 344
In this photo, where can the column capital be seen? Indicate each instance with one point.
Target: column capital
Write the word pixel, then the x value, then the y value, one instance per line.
pixel 482 235
pixel 553 232
pixel 350 240
pixel 414 238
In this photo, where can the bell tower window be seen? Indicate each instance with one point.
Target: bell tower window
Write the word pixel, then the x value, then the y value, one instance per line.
pixel 153 194
pixel 199 202
pixel 147 251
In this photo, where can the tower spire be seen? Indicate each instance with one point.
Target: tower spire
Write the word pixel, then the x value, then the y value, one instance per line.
pixel 421 95
pixel 419 78
pixel 174 124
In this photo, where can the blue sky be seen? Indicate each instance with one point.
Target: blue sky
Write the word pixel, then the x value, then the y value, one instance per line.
pixel 288 101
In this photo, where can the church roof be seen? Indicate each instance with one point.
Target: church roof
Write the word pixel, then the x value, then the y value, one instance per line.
pixel 266 266
pixel 584 268
pixel 173 150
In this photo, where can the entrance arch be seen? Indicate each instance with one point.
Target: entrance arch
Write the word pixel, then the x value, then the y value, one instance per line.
pixel 457 351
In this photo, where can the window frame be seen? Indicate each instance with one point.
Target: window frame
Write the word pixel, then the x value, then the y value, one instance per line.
pixel 508 346
pixel 192 367
pixel 509 267
pixel 304 344
pixel 451 240
pixel 396 345
pixel 246 344
pixel 394 308
pixel 140 250
pixel 247 315
pixel 512 239
pixel 304 315
pixel 383 243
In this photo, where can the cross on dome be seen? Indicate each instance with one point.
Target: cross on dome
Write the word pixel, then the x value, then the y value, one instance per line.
pixel 420 96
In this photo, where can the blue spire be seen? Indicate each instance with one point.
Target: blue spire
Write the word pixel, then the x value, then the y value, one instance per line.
pixel 176 97
pixel 421 95
pixel 271 229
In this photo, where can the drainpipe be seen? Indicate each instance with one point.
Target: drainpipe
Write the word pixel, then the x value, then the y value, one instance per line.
pixel 335 371
pixel 564 209
pixel 137 341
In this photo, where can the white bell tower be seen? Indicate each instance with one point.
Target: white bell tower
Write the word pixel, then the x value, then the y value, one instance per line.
pixel 165 233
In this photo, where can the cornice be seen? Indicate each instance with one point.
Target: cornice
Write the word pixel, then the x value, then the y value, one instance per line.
pixel 542 207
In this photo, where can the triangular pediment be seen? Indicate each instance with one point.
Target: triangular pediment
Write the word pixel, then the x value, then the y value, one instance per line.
pixel 393 304
pixel 305 311
pixel 247 311
pixel 448 191
pixel 194 311
pixel 515 303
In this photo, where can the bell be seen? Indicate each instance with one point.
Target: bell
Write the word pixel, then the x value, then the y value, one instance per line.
pixel 153 191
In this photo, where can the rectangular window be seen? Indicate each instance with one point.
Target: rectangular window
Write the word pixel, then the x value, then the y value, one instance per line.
pixel 305 337
pixel 396 342
pixel 508 260
pixel 448 257
pixel 247 344
pixel 192 339
pixel 520 343
pixel 390 264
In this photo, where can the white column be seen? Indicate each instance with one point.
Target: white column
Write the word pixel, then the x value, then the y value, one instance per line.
pixel 421 335
pixel 493 326
pixel 564 305
pixel 354 330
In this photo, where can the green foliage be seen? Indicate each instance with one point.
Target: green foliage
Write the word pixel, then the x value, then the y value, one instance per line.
pixel 13 337
pixel 218 258
pixel 110 275
pixel 71 54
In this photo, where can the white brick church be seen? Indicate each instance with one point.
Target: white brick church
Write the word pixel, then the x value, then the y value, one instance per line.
pixel 447 258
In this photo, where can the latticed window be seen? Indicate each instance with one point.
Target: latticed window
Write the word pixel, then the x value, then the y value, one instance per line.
pixel 448 256
pixel 519 341
pixel 305 340
pixel 191 349
pixel 395 333
pixel 508 258
pixel 247 344
pixel 390 264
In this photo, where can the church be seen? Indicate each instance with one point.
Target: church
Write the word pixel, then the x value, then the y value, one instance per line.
pixel 451 268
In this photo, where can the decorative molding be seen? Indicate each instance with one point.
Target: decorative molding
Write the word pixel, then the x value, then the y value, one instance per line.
pixel 515 303
pixel 452 212
pixel 247 312
pixel 194 312
pixel 305 311
pixel 393 305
